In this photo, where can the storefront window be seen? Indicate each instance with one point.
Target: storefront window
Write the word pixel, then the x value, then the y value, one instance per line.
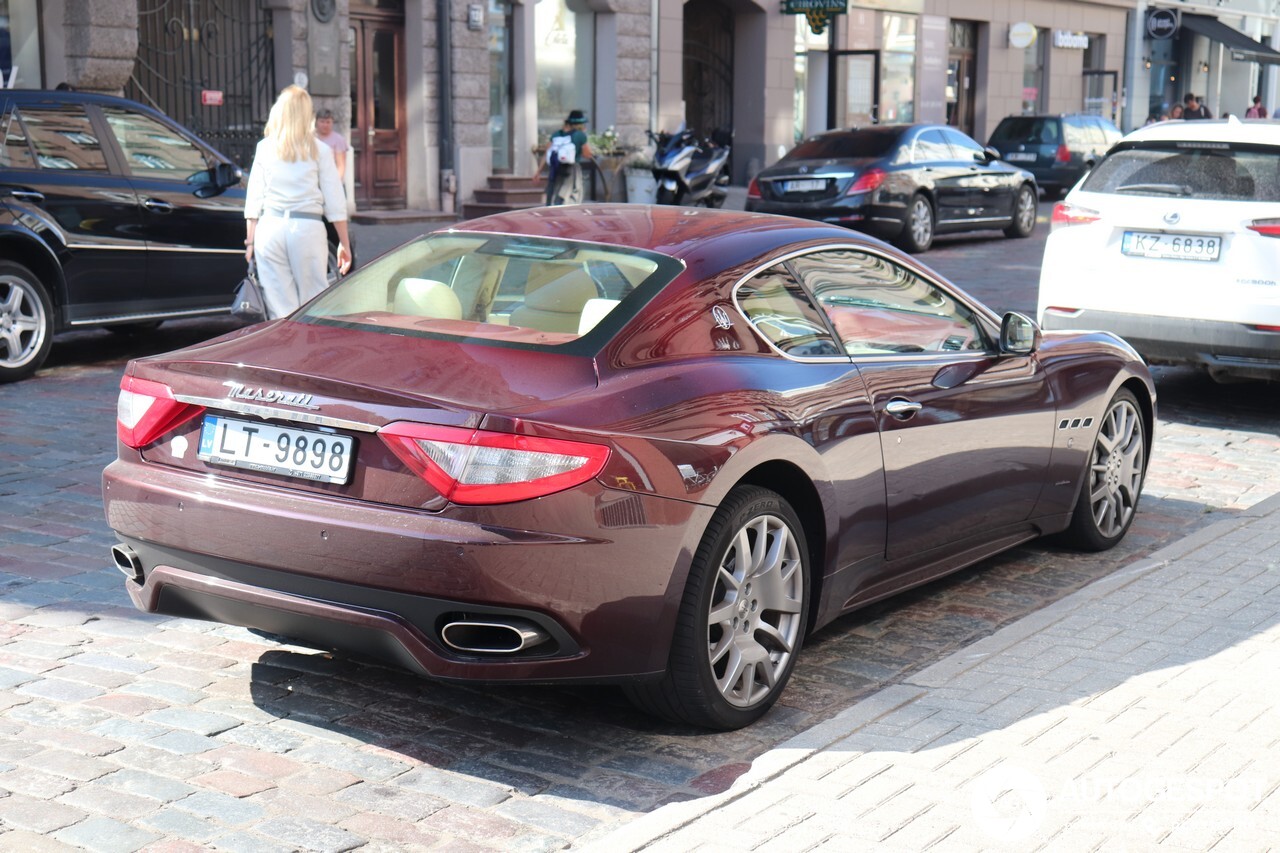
pixel 565 56
pixel 20 61
pixel 898 70
pixel 1033 93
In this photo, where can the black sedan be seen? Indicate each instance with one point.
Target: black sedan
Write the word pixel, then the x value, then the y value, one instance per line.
pixel 903 183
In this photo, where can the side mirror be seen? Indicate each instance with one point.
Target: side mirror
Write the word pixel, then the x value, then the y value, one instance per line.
pixel 990 154
pixel 1019 334
pixel 226 175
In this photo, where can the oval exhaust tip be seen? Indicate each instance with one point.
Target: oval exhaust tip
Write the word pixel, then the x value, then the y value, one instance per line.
pixel 127 561
pixel 493 638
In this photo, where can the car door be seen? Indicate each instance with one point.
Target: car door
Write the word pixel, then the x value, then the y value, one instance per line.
pixel 58 180
pixel 194 229
pixel 936 167
pixel 990 183
pixel 965 432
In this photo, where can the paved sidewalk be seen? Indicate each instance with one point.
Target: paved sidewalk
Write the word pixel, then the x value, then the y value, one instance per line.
pixel 1138 713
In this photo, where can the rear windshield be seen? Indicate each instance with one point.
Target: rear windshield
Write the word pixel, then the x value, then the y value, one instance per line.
pixel 847 146
pixel 1025 129
pixel 525 292
pixel 1213 170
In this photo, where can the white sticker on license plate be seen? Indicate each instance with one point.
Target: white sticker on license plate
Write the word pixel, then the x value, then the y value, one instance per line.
pixel 1184 247
pixel 304 453
pixel 809 186
pixel 1020 157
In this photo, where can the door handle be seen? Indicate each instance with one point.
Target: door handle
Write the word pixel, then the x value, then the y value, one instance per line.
pixel 157 206
pixel 902 409
pixel 27 195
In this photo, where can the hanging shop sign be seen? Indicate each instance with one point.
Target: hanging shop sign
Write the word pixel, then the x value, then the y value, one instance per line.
pixel 1070 40
pixel 1022 35
pixel 817 12
pixel 1163 23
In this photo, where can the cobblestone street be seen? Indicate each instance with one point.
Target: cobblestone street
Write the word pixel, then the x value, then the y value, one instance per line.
pixel 123 731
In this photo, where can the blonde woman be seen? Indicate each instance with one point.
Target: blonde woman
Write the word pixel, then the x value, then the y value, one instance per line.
pixel 293 187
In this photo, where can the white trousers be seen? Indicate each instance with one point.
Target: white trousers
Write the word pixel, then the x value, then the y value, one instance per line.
pixel 293 259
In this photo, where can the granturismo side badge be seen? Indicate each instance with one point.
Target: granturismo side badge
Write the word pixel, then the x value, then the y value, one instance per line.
pixel 1172 218
pixel 269 395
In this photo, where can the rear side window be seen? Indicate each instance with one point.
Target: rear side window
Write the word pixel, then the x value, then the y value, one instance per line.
pixel 16 152
pixel 782 312
pixel 1228 174
pixel 63 138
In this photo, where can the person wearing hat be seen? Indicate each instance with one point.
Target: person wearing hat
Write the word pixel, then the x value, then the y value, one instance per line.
pixel 565 154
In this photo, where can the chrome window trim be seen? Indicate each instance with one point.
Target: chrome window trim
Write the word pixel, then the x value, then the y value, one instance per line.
pixel 269 412
pixel 981 312
pixel 124 247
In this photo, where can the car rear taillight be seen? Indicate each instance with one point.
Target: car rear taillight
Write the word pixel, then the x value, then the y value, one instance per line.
pixel 1065 215
pixel 146 410
pixel 470 466
pixel 1265 227
pixel 753 189
pixel 867 181
pixel 1063 155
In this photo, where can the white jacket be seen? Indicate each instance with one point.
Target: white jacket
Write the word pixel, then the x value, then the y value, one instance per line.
pixel 304 186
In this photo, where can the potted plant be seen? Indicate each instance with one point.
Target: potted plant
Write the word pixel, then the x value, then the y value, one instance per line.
pixel 642 187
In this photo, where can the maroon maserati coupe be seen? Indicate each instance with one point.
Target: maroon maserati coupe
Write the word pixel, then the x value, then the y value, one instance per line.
pixel 649 446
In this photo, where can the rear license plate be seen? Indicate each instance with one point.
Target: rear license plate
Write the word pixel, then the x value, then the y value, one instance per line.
pixel 810 186
pixel 304 453
pixel 1021 157
pixel 1184 247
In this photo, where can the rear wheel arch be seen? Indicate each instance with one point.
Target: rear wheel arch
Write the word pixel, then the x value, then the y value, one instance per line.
pixel 1147 405
pixel 795 485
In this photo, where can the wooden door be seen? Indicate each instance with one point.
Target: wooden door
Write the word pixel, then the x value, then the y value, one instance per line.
pixel 377 109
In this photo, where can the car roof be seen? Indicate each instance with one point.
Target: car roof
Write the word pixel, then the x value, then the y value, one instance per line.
pixel 1250 131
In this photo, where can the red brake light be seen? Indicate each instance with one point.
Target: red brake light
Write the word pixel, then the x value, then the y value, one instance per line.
pixel 753 189
pixel 1071 214
pixel 477 467
pixel 1265 227
pixel 1063 155
pixel 146 410
pixel 868 181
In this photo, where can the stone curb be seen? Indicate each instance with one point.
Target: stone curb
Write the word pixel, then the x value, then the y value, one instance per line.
pixel 656 825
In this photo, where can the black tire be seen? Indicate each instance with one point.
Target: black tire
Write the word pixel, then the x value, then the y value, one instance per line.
pixel 1113 477
pixel 26 322
pixel 741 622
pixel 665 196
pixel 919 227
pixel 1025 208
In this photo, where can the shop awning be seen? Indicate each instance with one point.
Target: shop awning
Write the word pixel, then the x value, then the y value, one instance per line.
pixel 1241 46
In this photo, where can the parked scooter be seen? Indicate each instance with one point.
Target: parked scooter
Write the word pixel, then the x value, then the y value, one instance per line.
pixel 691 171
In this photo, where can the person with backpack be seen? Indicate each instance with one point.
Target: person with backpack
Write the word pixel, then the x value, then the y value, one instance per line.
pixel 1257 110
pixel 567 150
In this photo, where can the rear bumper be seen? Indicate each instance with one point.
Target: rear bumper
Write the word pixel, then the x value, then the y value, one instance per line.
pixel 1230 348
pixel 382 582
pixel 883 221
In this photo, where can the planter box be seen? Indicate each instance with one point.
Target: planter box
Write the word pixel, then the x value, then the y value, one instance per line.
pixel 642 187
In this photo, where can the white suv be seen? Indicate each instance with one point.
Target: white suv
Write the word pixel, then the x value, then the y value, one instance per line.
pixel 1173 243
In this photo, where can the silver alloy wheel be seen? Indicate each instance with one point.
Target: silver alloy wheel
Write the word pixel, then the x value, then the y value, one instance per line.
pixel 921 222
pixel 1026 213
pixel 755 619
pixel 1117 467
pixel 22 322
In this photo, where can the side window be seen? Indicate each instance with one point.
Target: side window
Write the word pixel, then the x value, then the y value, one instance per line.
pixel 1073 129
pixel 877 307
pixel 16 152
pixel 778 307
pixel 154 150
pixel 931 147
pixel 63 138
pixel 965 148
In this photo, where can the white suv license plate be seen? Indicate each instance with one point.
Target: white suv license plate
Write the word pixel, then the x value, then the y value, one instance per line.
pixel 307 454
pixel 809 186
pixel 1182 247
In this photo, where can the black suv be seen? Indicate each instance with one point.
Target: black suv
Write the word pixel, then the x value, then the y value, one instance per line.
pixel 111 215
pixel 1057 149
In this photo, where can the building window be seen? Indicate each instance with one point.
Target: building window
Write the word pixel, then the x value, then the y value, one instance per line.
pixel 565 56
pixel 20 60
pixel 1033 93
pixel 898 70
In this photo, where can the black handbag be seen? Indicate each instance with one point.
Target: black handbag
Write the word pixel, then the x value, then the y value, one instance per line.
pixel 248 304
